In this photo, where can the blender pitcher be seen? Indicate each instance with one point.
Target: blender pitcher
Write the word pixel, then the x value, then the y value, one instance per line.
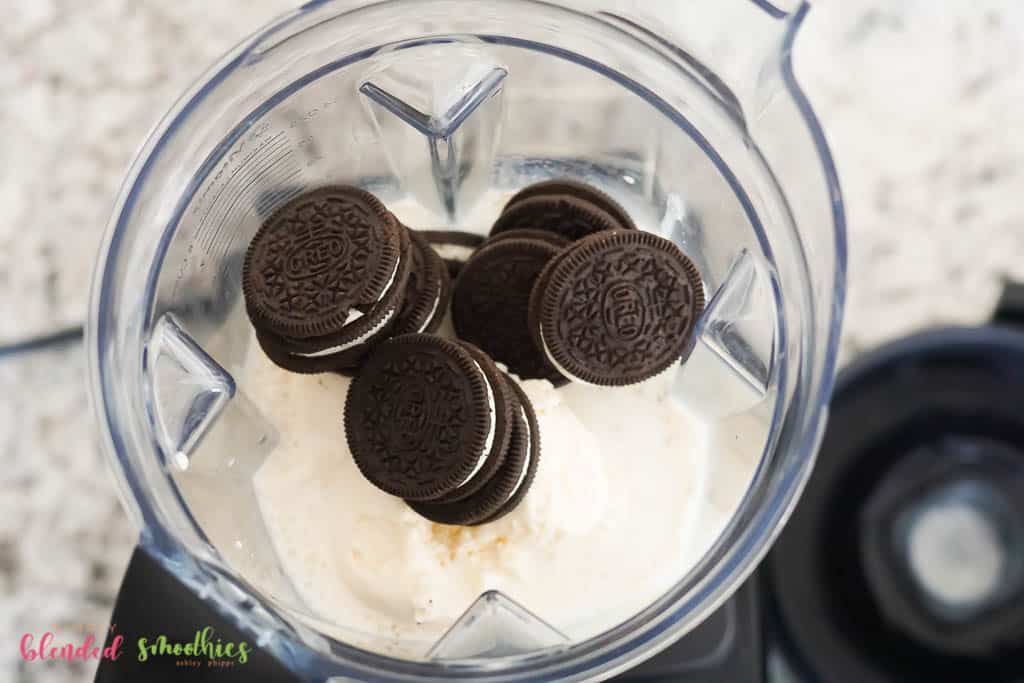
pixel 686 112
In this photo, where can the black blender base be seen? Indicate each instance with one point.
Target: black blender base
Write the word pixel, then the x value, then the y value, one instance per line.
pixel 725 648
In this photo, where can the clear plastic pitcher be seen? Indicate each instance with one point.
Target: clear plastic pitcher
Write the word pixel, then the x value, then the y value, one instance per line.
pixel 685 111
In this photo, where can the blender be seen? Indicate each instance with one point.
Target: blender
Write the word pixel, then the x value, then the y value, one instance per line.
pixel 688 114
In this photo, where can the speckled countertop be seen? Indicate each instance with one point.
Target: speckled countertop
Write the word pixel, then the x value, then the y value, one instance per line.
pixel 920 101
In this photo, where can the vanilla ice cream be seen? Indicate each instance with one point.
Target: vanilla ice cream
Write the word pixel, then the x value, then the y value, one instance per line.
pixel 605 529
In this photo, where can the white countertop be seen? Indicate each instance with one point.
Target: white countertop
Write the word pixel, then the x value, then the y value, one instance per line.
pixel 920 101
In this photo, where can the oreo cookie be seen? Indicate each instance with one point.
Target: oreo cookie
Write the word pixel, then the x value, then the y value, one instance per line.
pixel 579 190
pixel 324 278
pixel 563 215
pixel 420 417
pixel 453 246
pixel 366 326
pixel 509 485
pixel 427 291
pixel 491 303
pixel 617 308
pixel 320 259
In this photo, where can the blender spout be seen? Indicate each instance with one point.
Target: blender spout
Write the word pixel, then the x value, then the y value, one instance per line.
pixel 733 46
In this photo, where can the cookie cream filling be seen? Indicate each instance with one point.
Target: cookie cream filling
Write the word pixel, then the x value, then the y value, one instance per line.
pixel 355 342
pixel 433 312
pixel 391 281
pixel 355 314
pixel 453 252
pixel 529 453
pixel 492 413
pixel 551 359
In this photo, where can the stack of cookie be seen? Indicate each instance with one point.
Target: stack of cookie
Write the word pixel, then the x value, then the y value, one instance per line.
pixel 566 288
pixel 333 273
pixel 435 422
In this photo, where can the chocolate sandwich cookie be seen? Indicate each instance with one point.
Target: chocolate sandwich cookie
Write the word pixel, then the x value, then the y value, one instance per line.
pixel 346 348
pixel 543 235
pixel 420 417
pixel 507 488
pixel 504 406
pixel 618 308
pixel 490 303
pixel 453 246
pixel 319 261
pixel 562 214
pixel 427 291
pixel 579 190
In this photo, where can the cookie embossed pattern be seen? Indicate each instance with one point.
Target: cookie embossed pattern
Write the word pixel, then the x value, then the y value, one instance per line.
pixel 619 308
pixel 419 417
pixel 317 259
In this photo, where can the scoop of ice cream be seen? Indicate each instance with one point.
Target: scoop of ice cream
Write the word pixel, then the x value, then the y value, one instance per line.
pixel 570 493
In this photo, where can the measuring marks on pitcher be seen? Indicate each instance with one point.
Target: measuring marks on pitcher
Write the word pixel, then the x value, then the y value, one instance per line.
pixel 258 172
